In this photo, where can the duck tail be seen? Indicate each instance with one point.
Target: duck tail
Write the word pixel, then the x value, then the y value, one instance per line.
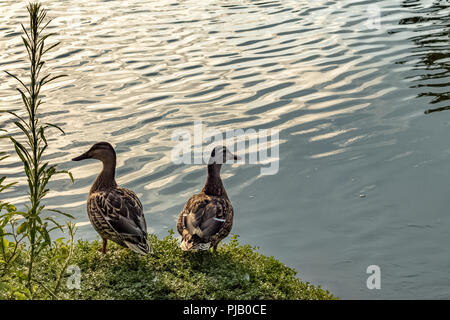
pixel 141 248
pixel 188 243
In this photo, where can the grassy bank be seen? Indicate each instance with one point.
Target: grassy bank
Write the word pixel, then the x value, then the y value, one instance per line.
pixel 234 272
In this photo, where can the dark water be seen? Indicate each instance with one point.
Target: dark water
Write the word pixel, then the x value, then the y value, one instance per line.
pixel 363 173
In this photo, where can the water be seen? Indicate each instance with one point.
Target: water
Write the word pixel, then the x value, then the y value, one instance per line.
pixel 364 173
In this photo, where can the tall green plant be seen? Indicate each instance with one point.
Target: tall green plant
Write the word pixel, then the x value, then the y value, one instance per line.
pixel 31 148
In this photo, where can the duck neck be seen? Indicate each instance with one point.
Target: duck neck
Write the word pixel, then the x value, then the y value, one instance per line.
pixel 106 178
pixel 214 185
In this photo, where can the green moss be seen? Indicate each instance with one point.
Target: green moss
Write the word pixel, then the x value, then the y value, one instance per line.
pixel 233 272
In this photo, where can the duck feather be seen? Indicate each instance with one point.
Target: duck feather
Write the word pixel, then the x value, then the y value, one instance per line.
pixel 117 215
pixel 204 221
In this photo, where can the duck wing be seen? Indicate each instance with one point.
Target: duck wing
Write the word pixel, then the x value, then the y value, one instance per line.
pixel 119 216
pixel 204 217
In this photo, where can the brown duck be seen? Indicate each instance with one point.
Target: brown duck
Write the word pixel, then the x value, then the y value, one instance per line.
pixel 207 217
pixel 115 213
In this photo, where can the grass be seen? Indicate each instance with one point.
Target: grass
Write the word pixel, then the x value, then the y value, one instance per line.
pixel 234 272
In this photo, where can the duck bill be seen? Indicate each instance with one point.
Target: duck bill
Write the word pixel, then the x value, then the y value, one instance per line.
pixel 237 157
pixel 82 157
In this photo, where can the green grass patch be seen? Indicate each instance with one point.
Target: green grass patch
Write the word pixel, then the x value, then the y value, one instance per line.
pixel 233 272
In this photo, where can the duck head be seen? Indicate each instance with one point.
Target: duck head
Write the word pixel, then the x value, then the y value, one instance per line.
pixel 102 151
pixel 221 155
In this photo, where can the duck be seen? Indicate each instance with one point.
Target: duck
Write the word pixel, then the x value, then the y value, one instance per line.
pixel 115 213
pixel 207 217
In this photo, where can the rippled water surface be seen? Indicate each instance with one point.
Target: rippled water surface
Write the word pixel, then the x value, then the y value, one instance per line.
pixel 364 173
